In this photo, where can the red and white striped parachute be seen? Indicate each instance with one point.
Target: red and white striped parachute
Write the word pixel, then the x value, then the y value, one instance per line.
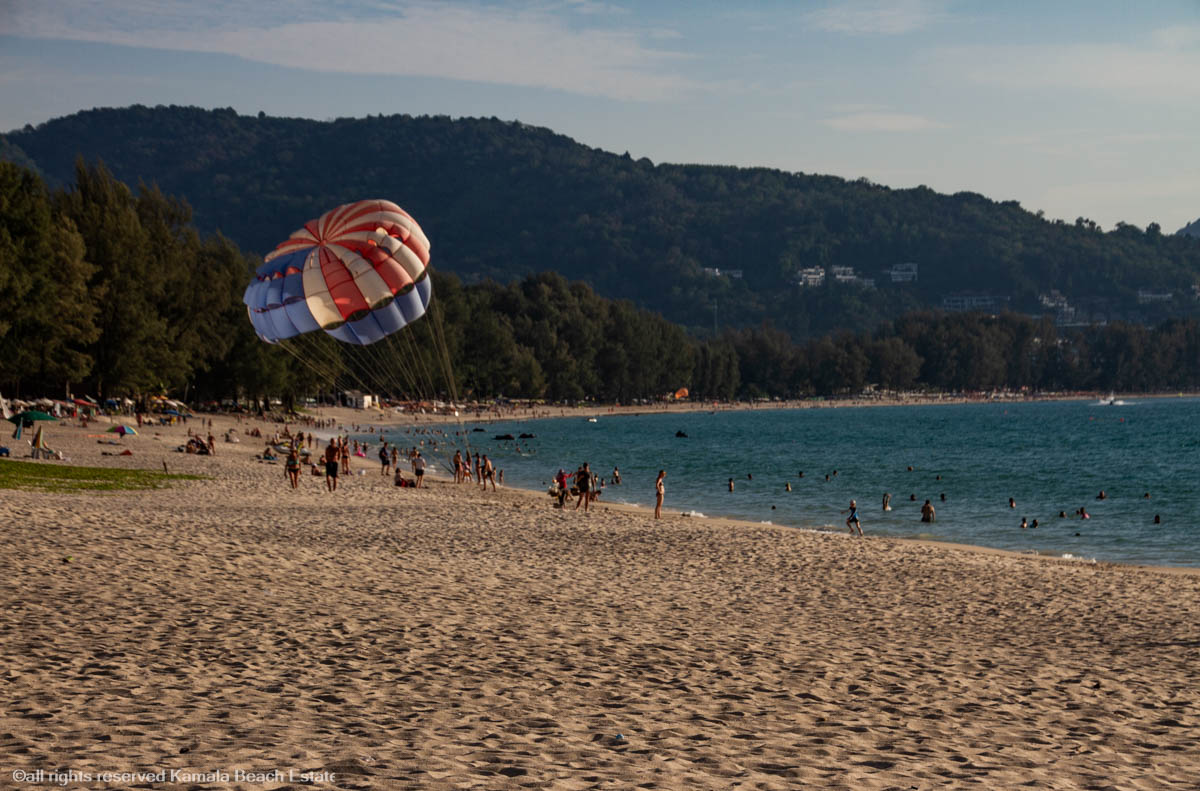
pixel 358 272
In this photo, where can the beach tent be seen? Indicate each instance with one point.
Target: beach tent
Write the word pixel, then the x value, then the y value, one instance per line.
pixel 122 430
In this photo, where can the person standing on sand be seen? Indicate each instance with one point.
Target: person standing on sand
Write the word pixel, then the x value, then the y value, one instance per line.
pixel 385 460
pixel 418 465
pixel 852 520
pixel 293 468
pixel 331 467
pixel 583 483
pixel 660 491
pixel 488 473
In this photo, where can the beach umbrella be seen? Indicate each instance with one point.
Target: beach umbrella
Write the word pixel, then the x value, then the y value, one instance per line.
pixel 174 412
pixel 122 430
pixel 26 418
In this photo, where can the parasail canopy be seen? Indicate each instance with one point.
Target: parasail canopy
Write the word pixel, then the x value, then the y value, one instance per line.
pixel 358 272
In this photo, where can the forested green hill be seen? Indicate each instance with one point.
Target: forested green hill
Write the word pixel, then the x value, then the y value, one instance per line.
pixel 504 200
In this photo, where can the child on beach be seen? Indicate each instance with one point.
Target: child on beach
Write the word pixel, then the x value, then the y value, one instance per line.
pixel 852 520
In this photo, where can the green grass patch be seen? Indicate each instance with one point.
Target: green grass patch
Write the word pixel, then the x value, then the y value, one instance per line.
pixel 52 477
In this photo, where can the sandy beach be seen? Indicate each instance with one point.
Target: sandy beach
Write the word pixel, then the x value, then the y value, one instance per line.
pixel 241 634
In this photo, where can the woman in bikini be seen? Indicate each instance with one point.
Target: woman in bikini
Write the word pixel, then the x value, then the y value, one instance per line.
pixel 660 490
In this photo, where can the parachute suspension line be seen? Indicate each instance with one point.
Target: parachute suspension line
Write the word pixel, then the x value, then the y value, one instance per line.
pixel 318 357
pixel 414 386
pixel 442 352
pixel 405 358
pixel 419 364
pixel 333 360
pixel 322 371
pixel 389 369
pixel 437 333
pixel 319 370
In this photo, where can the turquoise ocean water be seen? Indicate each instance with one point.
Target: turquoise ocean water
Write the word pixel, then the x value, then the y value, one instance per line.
pixel 1049 457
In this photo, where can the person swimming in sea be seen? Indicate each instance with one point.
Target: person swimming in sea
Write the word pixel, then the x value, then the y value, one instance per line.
pixel 1024 524
pixel 887 501
pixel 1012 503
pixel 927 512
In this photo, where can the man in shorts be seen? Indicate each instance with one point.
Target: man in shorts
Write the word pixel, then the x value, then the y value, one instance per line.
pixel 331 467
pixel 418 465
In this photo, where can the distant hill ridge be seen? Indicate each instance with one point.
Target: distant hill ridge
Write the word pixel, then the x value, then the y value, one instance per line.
pixel 1191 229
pixel 704 245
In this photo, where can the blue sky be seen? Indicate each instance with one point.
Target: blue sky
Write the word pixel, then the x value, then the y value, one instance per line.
pixel 1087 108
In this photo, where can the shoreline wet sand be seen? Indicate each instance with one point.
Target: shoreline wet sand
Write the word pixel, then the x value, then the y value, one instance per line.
pixel 449 638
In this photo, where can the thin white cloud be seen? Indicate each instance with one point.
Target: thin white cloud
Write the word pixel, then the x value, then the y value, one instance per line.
pixel 876 17
pixel 525 46
pixel 1162 68
pixel 881 122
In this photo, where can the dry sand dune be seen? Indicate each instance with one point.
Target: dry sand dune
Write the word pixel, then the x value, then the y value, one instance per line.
pixel 444 639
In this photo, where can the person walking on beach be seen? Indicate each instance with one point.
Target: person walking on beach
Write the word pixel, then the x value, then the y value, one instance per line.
pixel 331 466
pixel 293 468
pixel 418 465
pixel 385 460
pixel 488 473
pixel 583 483
pixel 561 480
pixel 852 520
pixel 660 491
